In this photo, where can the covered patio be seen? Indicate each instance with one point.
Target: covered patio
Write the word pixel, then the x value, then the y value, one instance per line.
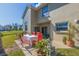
pixel 33 44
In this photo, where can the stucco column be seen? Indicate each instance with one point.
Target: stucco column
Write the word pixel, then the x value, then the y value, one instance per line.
pixel 52 48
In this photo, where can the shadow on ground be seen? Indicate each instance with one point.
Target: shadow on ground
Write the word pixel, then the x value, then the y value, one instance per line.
pixel 60 54
pixel 76 47
pixel 2 51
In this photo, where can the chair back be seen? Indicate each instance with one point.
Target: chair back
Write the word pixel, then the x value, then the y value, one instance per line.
pixel 40 36
pixel 33 33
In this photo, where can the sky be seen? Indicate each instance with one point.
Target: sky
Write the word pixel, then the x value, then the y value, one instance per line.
pixel 11 13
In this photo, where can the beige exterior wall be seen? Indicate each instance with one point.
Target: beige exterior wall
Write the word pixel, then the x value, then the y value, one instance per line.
pixel 31 19
pixel 34 18
pixel 27 18
pixel 42 19
pixel 68 12
pixel 57 13
pixel 65 13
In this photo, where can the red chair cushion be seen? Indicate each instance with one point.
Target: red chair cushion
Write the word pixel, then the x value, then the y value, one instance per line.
pixel 33 33
pixel 40 36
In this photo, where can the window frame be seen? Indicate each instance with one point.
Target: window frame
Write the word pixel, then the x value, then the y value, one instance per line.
pixel 44 10
pixel 62 26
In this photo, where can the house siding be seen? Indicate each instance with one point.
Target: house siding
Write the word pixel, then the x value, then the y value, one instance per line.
pixel 27 18
pixel 68 12
pixel 58 12
pixel 34 17
pixel 42 19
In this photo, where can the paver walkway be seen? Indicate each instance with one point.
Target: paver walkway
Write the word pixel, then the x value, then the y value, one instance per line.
pixel 2 51
pixel 27 52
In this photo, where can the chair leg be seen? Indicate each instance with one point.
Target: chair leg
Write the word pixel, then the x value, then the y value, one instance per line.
pixel 22 44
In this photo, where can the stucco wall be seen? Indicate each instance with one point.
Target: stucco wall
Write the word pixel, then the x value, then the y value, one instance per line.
pixel 34 18
pixel 27 18
pixel 31 19
pixel 65 13
pixel 42 19
pixel 68 12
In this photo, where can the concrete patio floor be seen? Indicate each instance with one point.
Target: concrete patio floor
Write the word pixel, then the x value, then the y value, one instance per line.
pixel 57 42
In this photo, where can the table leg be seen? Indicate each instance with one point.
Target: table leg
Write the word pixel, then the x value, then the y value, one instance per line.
pixel 30 43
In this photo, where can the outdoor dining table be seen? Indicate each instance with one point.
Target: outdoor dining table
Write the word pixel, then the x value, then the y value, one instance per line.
pixel 30 38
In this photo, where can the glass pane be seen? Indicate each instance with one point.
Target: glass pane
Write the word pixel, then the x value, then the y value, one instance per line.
pixel 62 26
pixel 45 11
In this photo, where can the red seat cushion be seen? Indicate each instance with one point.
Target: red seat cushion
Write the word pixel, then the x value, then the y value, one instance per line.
pixel 40 36
pixel 33 33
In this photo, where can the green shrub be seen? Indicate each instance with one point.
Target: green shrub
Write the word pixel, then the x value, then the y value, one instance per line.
pixel 64 39
pixel 42 47
pixel 19 35
pixel 16 53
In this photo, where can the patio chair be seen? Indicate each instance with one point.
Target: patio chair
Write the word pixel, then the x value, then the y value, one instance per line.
pixel 34 42
pixel 24 42
pixel 40 36
pixel 33 33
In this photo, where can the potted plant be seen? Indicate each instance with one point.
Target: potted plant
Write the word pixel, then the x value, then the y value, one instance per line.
pixel 42 48
pixel 64 39
pixel 70 41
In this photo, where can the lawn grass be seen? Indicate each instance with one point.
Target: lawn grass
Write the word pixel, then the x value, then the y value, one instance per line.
pixel 68 52
pixel 16 53
pixel 8 40
pixel 5 33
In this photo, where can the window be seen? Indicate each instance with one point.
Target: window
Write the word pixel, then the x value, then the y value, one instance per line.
pixel 37 29
pixel 25 25
pixel 45 11
pixel 45 31
pixel 77 21
pixel 62 26
pixel 35 5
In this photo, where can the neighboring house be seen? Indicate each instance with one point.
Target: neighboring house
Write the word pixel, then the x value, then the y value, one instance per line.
pixel 20 27
pixel 1 28
pixel 16 26
pixel 7 27
pixel 51 18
